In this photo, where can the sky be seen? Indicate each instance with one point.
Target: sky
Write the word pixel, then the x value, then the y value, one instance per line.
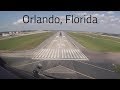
pixel 108 21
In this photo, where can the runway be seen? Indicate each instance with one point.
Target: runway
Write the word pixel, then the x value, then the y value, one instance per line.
pixel 60 48
pixel 61 57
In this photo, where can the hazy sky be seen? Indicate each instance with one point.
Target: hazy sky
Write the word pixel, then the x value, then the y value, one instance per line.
pixel 108 21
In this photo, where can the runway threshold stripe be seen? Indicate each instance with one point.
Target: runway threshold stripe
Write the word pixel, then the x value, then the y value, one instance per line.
pixel 62 53
pixel 83 55
pixel 73 54
pixel 59 54
pixel 55 53
pixel 50 52
pixel 77 55
pixel 65 56
pixel 80 54
pixel 47 53
pixel 39 53
pixel 70 53
pixel 42 54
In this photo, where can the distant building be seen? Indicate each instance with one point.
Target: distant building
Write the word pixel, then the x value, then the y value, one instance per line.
pixel 10 33
pixel 5 34
pixel 17 32
pixel 13 33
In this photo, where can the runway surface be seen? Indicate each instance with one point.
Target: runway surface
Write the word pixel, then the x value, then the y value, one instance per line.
pixel 62 58
pixel 60 48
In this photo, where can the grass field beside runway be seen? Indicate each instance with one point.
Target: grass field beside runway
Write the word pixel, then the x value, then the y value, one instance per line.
pixel 116 68
pixel 23 42
pixel 97 42
pixel 104 37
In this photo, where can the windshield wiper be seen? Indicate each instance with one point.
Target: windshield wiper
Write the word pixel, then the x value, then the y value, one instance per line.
pixel 42 75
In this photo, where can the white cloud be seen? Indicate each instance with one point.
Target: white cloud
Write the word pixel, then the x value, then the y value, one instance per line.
pixel 109 22
pixel 102 15
pixel 81 14
pixel 110 12
pixel 107 19
pixel 111 16
pixel 99 15
pixel 19 21
pixel 114 19
pixel 102 21
pixel 96 15
pixel 84 13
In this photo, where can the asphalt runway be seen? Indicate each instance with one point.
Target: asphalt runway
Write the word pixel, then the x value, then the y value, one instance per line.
pixel 60 48
pixel 62 58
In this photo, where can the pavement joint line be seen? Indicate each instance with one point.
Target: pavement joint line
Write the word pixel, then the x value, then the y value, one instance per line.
pixel 96 66
pixel 26 64
pixel 76 72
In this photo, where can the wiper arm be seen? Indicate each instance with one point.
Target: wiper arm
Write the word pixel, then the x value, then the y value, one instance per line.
pixel 42 75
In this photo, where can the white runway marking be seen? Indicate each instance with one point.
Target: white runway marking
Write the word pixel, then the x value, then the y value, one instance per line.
pixel 49 54
pixel 97 66
pixel 62 69
pixel 60 48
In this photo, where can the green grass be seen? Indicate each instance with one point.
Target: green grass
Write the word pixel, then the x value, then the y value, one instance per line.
pixel 116 68
pixel 99 43
pixel 23 42
pixel 105 37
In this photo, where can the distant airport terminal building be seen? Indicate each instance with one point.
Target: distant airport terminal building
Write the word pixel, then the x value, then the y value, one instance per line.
pixel 11 33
